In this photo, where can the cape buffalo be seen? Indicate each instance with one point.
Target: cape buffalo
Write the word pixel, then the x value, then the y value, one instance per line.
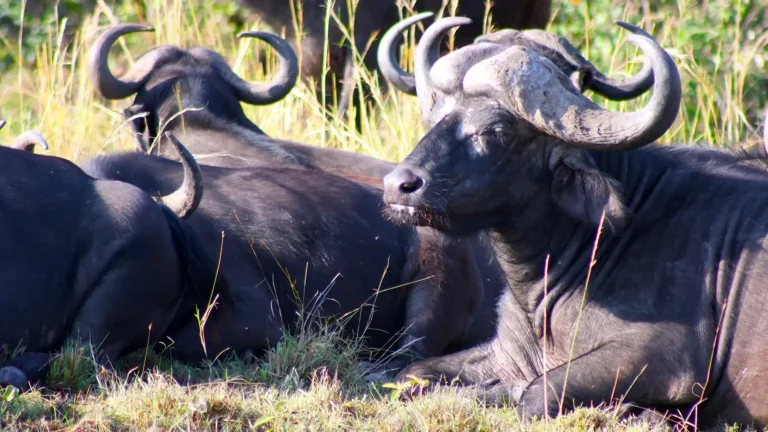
pixel 664 308
pixel 372 17
pixel 244 147
pixel 291 235
pixel 558 50
pixel 94 259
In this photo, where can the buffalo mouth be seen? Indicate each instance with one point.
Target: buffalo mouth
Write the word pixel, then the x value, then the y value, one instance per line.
pixel 418 215
pixel 442 219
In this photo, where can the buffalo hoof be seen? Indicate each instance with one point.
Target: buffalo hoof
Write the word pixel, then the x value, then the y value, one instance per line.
pixel 12 376
pixel 494 393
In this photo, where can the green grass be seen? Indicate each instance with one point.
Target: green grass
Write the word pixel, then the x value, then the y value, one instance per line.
pixel 311 380
pixel 274 393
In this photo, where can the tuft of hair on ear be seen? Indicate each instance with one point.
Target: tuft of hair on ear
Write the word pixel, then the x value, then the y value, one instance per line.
pixel 582 191
pixel 137 122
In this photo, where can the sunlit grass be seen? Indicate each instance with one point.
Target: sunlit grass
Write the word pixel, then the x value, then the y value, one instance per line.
pixel 242 395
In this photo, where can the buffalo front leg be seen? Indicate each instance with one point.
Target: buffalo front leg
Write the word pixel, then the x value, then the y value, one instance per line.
pixel 443 299
pixel 132 297
pixel 485 372
pixel 613 374
pixel 475 366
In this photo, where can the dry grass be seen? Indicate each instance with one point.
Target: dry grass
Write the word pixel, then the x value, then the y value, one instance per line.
pixel 308 381
pixel 720 49
pixel 237 395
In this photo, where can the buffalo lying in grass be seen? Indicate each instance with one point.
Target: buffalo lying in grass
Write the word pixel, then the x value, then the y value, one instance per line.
pixel 372 18
pixel 668 313
pixel 93 259
pixel 223 128
pixel 294 238
pixel 222 125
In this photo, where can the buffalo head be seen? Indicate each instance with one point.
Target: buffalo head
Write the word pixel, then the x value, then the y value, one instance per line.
pixel 168 79
pixel 512 136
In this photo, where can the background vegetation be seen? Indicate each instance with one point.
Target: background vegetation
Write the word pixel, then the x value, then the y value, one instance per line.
pixel 311 381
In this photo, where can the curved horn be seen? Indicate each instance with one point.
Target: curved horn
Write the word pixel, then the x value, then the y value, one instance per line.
pixel 564 55
pixel 445 76
pixel 538 92
pixel 386 55
pixel 624 88
pixel 258 93
pixel 427 53
pixel 28 140
pixel 107 84
pixel 610 88
pixel 187 197
pixel 285 79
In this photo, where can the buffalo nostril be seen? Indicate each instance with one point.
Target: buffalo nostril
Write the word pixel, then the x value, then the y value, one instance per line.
pixel 403 180
pixel 411 185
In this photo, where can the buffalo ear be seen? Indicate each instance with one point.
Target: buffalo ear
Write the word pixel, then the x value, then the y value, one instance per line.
pixel 582 191
pixel 139 127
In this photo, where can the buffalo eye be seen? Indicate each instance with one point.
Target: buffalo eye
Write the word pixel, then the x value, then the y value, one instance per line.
pixel 480 141
pixel 498 131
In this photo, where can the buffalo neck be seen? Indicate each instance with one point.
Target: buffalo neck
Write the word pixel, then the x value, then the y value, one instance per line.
pixel 543 249
pixel 541 242
pixel 654 183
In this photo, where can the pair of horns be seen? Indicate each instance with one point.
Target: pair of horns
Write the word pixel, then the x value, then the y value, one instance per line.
pixel 557 49
pixel 112 87
pixel 532 87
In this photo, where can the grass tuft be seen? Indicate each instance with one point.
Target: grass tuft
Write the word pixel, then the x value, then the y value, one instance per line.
pixel 319 350
pixel 74 368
